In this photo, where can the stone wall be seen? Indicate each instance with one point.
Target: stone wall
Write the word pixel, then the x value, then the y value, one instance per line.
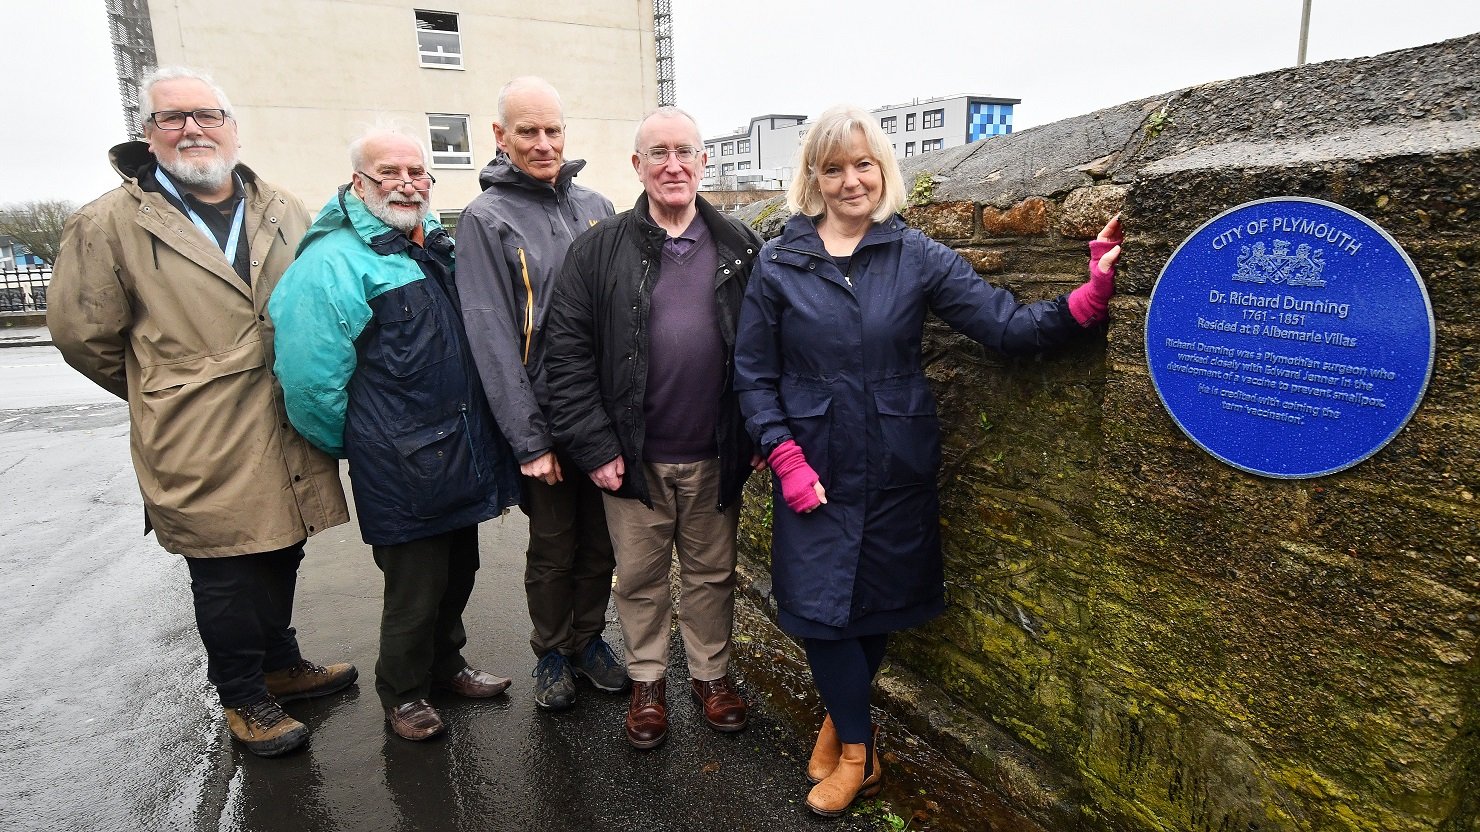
pixel 1139 636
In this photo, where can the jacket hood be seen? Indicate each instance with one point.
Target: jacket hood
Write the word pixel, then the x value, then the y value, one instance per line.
pixel 502 171
pixel 345 209
pixel 800 232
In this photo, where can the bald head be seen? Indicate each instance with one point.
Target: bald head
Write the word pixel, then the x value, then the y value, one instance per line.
pixel 531 127
pixel 666 113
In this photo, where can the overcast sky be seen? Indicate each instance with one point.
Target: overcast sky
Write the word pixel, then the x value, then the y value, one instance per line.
pixel 741 58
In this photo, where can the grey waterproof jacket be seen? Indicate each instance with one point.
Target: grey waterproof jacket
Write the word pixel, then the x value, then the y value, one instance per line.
pixel 511 243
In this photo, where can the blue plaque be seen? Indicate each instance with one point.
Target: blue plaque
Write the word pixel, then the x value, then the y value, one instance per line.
pixel 1290 337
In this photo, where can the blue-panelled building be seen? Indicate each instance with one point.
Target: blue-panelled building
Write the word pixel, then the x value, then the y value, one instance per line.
pixel 763 153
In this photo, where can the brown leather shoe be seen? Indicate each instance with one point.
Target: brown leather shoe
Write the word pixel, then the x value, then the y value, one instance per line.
pixel 474 684
pixel 264 729
pixel 414 720
pixel 306 679
pixel 724 710
pixel 847 783
pixel 647 714
pixel 825 752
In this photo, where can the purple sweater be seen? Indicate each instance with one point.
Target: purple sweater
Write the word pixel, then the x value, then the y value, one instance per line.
pixel 686 353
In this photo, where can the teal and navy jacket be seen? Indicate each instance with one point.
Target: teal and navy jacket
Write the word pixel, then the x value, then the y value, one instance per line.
pixel 375 368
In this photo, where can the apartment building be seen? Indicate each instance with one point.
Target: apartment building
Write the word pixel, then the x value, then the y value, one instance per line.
pixel 306 77
pixel 763 154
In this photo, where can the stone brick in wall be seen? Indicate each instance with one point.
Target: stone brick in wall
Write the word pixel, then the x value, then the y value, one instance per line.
pixel 1028 218
pixel 945 221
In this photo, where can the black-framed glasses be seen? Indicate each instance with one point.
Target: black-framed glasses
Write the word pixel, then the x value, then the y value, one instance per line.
pixel 175 119
pixel 659 155
pixel 419 181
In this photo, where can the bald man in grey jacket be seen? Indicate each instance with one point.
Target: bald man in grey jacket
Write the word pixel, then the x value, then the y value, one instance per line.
pixel 512 240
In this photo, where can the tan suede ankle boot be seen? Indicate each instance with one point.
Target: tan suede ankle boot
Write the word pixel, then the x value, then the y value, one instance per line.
pixel 838 790
pixel 825 752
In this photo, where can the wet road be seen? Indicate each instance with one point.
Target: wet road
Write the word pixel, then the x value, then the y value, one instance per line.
pixel 111 725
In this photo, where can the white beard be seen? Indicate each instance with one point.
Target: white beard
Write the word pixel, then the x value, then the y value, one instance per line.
pixel 205 174
pixel 379 204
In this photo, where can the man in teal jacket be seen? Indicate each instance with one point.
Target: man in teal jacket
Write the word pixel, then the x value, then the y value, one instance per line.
pixel 375 368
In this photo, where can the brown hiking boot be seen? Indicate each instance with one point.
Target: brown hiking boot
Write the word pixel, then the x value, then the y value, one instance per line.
pixel 306 679
pixel 264 729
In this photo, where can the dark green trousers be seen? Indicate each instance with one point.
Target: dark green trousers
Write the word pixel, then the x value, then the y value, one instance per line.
pixel 427 584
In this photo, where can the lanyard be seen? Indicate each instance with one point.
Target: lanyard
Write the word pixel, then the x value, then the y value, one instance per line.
pixel 237 221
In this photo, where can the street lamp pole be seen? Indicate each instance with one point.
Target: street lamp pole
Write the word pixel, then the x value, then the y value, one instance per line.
pixel 1304 31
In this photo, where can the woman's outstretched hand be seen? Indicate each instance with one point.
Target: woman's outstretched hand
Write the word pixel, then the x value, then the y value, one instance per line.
pixel 1089 304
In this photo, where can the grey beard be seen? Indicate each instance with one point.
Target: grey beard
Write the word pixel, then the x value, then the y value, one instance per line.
pixel 380 208
pixel 208 176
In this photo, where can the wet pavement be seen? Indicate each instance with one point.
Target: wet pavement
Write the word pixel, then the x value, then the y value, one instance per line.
pixel 111 724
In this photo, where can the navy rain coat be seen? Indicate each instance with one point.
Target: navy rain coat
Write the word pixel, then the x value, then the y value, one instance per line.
pixel 833 362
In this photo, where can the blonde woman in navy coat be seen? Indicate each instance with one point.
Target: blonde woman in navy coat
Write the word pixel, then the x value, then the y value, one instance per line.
pixel 827 364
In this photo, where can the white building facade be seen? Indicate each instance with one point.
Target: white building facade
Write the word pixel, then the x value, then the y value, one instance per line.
pixel 763 154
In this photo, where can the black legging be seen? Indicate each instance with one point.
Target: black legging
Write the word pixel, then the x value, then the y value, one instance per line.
pixel 844 670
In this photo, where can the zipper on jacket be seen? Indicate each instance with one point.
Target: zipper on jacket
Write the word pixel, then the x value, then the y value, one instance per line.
pixel 468 432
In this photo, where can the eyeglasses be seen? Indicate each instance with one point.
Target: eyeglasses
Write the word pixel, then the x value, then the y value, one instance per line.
pixel 419 181
pixel 175 119
pixel 659 155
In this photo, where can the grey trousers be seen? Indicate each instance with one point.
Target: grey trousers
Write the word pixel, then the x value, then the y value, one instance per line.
pixel 568 565
pixel 683 518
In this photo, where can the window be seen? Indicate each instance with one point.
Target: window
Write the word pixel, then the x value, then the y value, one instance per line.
pixel 909 121
pixel 931 144
pixel 449 220
pixel 742 146
pixel 743 166
pixel 933 118
pixel 437 39
pixel 709 171
pixel 889 124
pixel 727 149
pixel 909 149
pixel 727 169
pixel 449 140
pixel 709 150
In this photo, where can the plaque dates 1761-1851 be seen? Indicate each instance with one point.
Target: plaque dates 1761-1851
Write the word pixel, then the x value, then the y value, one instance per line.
pixel 1290 337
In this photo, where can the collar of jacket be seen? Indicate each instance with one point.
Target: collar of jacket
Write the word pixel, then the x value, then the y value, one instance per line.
pixel 799 242
pixel 502 171
pixel 384 240
pixel 131 158
pixel 726 238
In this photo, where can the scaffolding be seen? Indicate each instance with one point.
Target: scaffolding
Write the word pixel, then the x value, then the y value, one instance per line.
pixel 663 46
pixel 133 55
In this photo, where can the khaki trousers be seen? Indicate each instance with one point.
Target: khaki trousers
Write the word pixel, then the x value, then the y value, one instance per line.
pixel 683 517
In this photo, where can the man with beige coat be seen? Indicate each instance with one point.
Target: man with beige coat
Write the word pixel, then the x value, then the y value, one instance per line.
pixel 159 295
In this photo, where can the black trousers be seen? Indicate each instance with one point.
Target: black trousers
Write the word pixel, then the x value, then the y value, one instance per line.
pixel 568 565
pixel 244 611
pixel 427 585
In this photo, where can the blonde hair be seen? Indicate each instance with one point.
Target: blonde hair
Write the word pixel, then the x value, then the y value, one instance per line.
pixel 830 138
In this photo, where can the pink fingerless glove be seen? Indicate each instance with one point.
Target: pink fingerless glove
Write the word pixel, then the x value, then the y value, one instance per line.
pixel 1089 304
pixel 797 477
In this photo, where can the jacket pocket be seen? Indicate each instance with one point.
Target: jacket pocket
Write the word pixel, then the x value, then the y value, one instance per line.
pixel 809 418
pixel 911 435
pixel 412 334
pixel 440 466
pixel 157 378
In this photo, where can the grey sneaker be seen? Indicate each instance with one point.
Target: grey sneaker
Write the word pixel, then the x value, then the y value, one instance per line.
pixel 554 685
pixel 601 666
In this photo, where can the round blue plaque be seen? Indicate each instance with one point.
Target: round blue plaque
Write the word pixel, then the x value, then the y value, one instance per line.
pixel 1290 337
